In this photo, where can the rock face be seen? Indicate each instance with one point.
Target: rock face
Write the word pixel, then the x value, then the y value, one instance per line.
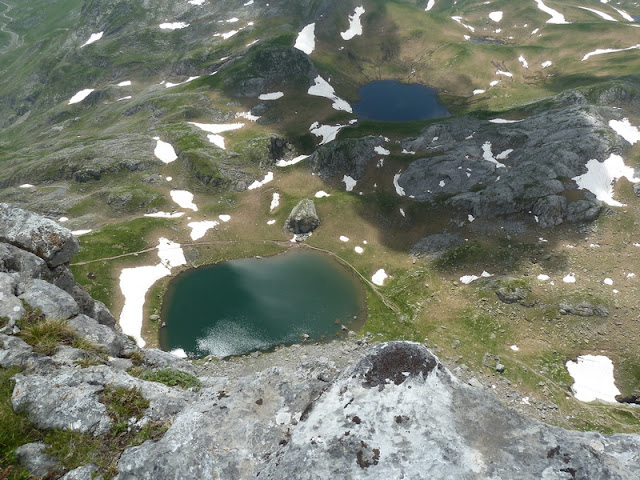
pixel 34 253
pixel 303 218
pixel 493 169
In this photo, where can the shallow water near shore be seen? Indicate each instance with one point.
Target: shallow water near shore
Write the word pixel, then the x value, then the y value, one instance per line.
pixel 392 101
pixel 244 305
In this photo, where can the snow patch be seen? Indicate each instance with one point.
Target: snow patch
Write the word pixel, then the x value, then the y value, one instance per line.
pixel 627 131
pixel 136 282
pixel 381 150
pixel 570 278
pixel 593 378
pixel 164 151
pixel 523 61
pixel 349 183
pixel 293 161
pixel 321 88
pixel 467 279
pixel 257 184
pixel 306 40
pixel 275 202
pixel 199 229
pixel 93 38
pixel 488 155
pixel 459 20
pixel 601 51
pixel 359 250
pixel 170 85
pixel 327 132
pixel 355 27
pixel 164 215
pixel 600 177
pixel 173 26
pixel 379 277
pixel 79 233
pixel 184 199
pixel 543 278
pixel 496 16
pixel 606 16
pixel 80 96
pixel 322 194
pixel 556 17
pixel 271 96
pixel 343 238
pixel 399 189
pixel 430 5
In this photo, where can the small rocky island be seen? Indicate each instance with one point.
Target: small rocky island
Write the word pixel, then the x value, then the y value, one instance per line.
pixel 348 409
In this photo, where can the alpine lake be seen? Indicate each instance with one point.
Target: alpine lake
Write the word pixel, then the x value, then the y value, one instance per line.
pixel 244 305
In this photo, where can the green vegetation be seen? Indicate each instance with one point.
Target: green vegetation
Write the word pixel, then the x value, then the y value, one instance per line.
pixel 167 376
pixel 15 429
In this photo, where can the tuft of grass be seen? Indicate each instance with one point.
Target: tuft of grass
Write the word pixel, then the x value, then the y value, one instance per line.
pixel 122 404
pixel 167 376
pixel 47 335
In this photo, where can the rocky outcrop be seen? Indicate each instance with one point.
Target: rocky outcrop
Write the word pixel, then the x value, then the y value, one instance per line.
pixel 303 218
pixel 34 253
pixel 37 235
pixel 525 166
pixel 345 157
pixel 435 245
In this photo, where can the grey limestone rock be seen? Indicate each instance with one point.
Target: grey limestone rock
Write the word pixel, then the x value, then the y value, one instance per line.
pixel 38 235
pixel 33 458
pixel 154 358
pixel 13 259
pixel 14 352
pixel 430 425
pixel 10 305
pixel 256 413
pixel 54 302
pixel 303 218
pixel 68 400
pixel 101 335
pixel 86 472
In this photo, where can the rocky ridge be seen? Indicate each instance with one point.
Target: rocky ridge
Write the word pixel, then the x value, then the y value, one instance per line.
pixel 395 412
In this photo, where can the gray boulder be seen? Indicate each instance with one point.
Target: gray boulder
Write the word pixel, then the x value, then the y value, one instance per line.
pixel 398 413
pixel 54 302
pixel 256 413
pixel 106 337
pixel 86 472
pixel 584 309
pixel 38 235
pixel 33 458
pixel 435 245
pixel 303 218
pixel 13 259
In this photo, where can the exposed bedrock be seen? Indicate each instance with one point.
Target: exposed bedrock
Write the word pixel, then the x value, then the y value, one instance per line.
pixel 493 169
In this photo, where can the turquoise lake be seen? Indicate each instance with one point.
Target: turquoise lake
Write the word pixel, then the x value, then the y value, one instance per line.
pixel 392 101
pixel 244 305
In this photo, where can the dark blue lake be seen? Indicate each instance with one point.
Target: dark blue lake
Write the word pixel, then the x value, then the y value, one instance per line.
pixel 392 101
